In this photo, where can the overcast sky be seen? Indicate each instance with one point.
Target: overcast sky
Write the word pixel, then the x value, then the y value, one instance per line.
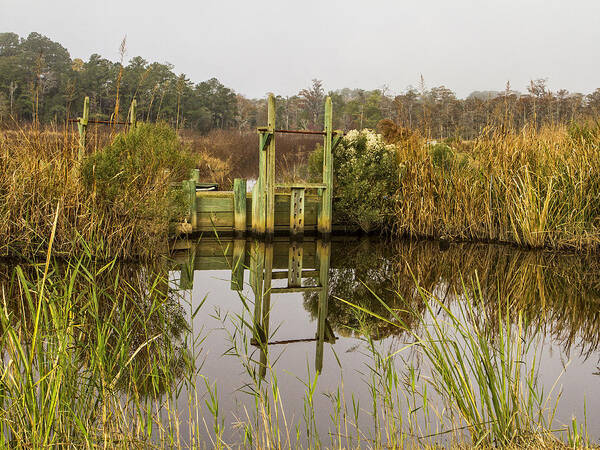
pixel 276 45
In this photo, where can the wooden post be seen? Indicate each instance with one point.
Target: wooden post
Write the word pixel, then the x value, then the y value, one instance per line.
pixel 195 175
pixel 297 213
pixel 323 258
pixel 239 206
pixel 325 211
pixel 237 265
pixel 189 188
pixel 132 114
pixel 258 195
pixel 82 124
pixel 270 188
pixel 295 264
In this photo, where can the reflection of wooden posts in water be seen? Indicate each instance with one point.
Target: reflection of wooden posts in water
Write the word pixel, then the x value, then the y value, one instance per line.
pixel 304 260
pixel 294 275
pixel 323 259
pixel 237 266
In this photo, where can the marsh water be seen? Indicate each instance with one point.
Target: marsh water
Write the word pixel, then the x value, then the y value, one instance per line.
pixel 314 317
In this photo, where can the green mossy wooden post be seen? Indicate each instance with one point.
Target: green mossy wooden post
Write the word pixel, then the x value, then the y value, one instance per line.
pixel 297 213
pixel 195 175
pixel 270 188
pixel 189 188
pixel 133 114
pixel 82 124
pixel 323 259
pixel 325 218
pixel 239 206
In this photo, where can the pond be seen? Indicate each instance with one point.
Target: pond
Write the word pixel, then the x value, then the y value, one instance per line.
pixel 315 343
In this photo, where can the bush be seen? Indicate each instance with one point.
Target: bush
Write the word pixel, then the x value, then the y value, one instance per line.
pixel 132 176
pixel 365 179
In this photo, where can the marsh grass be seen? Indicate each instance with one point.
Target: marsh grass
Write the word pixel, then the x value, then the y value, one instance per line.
pixel 534 188
pixel 106 355
pixel 119 206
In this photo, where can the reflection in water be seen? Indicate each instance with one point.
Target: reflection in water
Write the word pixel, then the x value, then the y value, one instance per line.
pixel 136 314
pixel 558 293
pixel 304 267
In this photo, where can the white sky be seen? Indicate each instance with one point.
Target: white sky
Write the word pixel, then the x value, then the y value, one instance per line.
pixel 260 46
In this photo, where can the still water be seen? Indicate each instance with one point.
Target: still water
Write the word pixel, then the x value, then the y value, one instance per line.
pixel 302 314
pixel 313 343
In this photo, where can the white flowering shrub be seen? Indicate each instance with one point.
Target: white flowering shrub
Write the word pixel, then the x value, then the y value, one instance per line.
pixel 365 178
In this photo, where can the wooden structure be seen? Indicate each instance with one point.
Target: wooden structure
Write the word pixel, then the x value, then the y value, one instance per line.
pixel 294 261
pixel 271 208
pixel 84 121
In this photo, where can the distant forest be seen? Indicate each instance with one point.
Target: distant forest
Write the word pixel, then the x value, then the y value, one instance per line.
pixel 40 83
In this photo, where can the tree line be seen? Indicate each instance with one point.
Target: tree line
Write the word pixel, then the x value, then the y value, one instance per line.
pixel 40 83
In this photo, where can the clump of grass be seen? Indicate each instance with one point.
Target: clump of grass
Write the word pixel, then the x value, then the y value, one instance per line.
pixel 536 188
pixel 117 203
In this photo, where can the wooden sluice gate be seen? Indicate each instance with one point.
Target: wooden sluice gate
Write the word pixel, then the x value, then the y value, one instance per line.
pixel 270 208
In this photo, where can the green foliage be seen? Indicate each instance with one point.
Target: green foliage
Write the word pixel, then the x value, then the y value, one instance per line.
pixel 441 156
pixel 136 169
pixel 585 132
pixel 365 178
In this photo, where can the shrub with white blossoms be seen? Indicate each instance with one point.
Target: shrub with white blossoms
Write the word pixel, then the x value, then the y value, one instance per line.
pixel 365 178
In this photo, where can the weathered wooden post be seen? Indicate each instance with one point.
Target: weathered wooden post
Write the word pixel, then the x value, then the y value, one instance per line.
pixel 325 211
pixel 270 227
pixel 195 175
pixel 82 124
pixel 239 206
pixel 189 188
pixel 297 213
pixel 132 113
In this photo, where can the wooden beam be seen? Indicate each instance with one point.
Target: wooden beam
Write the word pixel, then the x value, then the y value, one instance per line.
pixel 239 206
pixel 270 187
pixel 325 212
pixel 297 213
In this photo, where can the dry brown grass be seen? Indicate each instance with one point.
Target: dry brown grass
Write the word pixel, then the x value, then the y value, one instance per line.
pixel 40 173
pixel 531 188
pixel 234 154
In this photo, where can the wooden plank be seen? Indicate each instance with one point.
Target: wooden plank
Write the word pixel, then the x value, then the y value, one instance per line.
pixel 301 185
pixel 290 290
pixel 297 213
pixel 239 206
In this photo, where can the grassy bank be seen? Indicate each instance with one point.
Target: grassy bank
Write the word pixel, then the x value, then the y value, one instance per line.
pixel 116 202
pixel 531 188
